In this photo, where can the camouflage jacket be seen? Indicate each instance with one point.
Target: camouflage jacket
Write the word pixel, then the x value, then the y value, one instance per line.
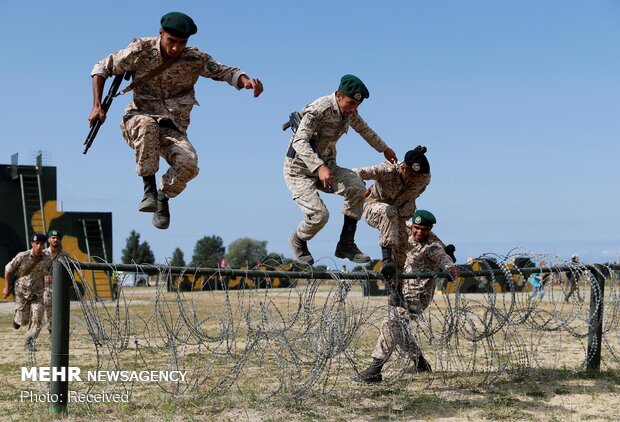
pixel 427 256
pixel 169 95
pixel 390 188
pixel 323 117
pixel 29 271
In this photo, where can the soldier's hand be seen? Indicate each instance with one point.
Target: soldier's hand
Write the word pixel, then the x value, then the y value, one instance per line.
pixel 390 155
pixel 96 114
pixel 6 291
pixel 254 84
pixel 325 176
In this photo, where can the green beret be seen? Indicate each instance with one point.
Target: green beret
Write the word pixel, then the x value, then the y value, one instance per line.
pixel 54 233
pixel 423 218
pixel 353 87
pixel 178 25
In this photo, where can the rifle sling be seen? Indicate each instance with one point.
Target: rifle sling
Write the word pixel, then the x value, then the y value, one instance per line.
pixel 15 277
pixel 154 72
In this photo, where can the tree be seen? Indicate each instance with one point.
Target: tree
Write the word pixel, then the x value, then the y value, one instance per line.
pixel 209 251
pixel 136 252
pixel 177 258
pixel 246 251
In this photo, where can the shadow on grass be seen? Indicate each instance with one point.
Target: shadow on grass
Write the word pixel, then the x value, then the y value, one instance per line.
pixel 512 398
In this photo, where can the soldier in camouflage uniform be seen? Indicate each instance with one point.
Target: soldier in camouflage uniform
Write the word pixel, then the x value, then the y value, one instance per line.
pixel 310 165
pixel 410 298
pixel 53 251
pixel 390 201
pixel 155 122
pixel 31 270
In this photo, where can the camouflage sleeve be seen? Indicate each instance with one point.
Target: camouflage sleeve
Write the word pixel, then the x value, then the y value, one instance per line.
pixel 439 257
pixel 360 126
pixel 119 62
pixel 14 264
pixel 373 172
pixel 301 139
pixel 220 72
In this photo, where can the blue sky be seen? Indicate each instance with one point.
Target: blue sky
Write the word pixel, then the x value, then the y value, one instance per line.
pixel 517 102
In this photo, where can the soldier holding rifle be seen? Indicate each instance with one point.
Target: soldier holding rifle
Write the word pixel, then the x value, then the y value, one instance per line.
pixel 164 72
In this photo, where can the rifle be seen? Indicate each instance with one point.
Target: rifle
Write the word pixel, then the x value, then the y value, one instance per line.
pixel 294 120
pixel 105 105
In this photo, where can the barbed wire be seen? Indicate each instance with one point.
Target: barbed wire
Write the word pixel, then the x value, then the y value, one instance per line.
pixel 316 334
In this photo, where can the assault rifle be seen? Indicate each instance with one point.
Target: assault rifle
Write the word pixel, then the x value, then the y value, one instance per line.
pixel 105 105
pixel 294 120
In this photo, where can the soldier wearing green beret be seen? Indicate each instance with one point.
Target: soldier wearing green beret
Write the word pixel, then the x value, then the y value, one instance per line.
pixel 310 166
pixel 30 270
pixel 409 298
pixel 53 251
pixel 155 123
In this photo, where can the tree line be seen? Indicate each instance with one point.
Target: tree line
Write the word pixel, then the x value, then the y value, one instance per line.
pixel 209 252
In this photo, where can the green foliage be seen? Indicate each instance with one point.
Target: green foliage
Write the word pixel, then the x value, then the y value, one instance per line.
pixel 177 258
pixel 209 252
pixel 136 252
pixel 246 252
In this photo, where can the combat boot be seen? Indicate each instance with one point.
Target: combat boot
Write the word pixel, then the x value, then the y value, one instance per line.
pixel 372 374
pixel 388 267
pixel 346 247
pixel 149 201
pixel 300 249
pixel 161 217
pixel 418 364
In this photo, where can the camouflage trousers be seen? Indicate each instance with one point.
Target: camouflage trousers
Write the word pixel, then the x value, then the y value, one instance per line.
pixel 150 140
pixel 393 231
pixel 47 304
pixel 304 186
pixel 395 332
pixel 29 308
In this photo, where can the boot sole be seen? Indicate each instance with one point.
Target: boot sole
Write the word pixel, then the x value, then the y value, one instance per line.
pixel 148 207
pixel 373 381
pixel 162 226
pixel 357 261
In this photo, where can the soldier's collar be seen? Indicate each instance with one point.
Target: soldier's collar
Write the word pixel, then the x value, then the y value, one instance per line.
pixel 334 104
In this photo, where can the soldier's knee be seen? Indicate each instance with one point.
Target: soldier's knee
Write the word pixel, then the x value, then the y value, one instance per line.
pixel 391 213
pixel 356 189
pixel 321 218
pixel 194 173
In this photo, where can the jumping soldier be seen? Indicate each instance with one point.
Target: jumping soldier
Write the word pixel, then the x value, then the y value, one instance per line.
pixel 155 123
pixel 310 165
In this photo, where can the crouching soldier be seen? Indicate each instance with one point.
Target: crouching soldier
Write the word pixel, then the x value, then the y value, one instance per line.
pixel 390 201
pixel 409 298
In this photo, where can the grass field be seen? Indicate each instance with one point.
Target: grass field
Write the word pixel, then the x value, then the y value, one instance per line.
pixel 291 354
